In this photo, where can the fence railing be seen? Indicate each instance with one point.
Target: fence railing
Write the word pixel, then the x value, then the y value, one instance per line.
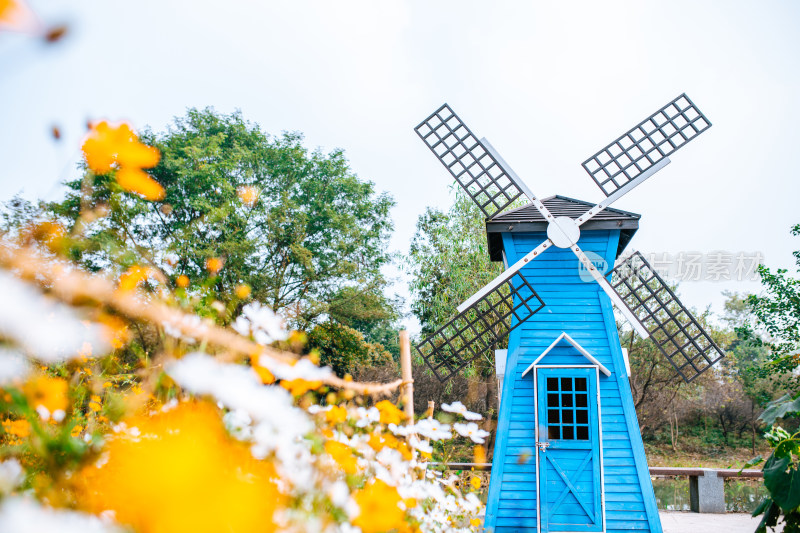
pixel 706 485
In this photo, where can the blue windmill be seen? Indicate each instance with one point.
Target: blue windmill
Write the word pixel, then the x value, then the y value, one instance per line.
pixel 568 452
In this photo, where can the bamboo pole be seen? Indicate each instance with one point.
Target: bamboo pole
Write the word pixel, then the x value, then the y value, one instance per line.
pixel 408 380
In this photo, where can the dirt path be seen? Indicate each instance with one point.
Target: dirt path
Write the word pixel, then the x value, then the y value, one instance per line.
pixel 684 522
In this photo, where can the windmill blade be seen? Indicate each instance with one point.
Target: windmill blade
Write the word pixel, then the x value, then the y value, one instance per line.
pixel 609 290
pixel 622 191
pixel 643 146
pixel 505 275
pixel 474 167
pixel 480 327
pixel 677 333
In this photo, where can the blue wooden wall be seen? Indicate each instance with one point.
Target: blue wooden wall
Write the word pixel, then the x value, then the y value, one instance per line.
pixel 582 310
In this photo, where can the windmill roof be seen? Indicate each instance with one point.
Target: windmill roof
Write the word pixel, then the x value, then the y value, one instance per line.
pixel 527 219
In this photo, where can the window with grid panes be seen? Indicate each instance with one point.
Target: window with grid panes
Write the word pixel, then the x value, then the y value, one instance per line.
pixel 567 409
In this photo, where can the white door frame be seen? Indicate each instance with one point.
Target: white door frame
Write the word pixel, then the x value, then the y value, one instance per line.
pixel 536 368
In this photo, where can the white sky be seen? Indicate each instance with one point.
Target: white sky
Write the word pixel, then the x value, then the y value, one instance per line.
pixel 549 83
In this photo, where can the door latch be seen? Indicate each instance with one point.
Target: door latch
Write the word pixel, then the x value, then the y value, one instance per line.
pixel 543 446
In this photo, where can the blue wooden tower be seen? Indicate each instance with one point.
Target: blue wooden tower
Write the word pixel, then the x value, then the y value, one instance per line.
pixel 568 453
pixel 566 388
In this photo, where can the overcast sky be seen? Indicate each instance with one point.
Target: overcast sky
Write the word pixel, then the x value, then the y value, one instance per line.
pixel 549 83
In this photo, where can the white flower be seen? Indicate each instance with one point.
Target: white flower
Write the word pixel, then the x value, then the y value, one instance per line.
pixel 192 322
pixel 472 431
pixel 279 426
pixel 11 475
pixel 339 493
pixel 460 409
pixel 265 326
pixel 420 445
pixel 316 409
pixel 49 330
pixel 365 417
pixel 403 431
pixel 238 387
pixel 24 515
pixel 433 429
pixel 241 325
pixel 472 504
pixel 239 424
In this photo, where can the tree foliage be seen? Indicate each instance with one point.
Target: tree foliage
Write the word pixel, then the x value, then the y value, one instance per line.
pixel 777 313
pixel 344 349
pixel 777 310
pixel 448 261
pixel 298 227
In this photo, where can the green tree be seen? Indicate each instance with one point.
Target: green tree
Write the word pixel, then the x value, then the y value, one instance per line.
pixel 777 311
pixel 344 349
pixel 448 261
pixel 299 227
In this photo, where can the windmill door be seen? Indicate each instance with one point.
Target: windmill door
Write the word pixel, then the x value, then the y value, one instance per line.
pixel 568 448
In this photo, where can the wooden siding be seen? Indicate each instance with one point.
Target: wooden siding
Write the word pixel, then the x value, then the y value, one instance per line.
pixel 584 312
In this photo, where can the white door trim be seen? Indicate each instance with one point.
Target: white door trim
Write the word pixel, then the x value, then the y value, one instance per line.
pixel 536 368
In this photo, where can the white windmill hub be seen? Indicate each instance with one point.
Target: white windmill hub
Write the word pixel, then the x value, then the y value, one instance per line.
pixel 564 232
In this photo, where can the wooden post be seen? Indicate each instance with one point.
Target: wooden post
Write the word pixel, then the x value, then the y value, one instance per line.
pixel 431 406
pixel 405 366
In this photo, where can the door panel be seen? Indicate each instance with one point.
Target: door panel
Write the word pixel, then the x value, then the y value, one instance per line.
pixel 570 481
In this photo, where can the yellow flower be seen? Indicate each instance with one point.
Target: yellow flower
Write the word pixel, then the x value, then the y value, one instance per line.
pixel 390 414
pixel 182 472
pixel 48 396
pixel 214 264
pixel 379 441
pixel 107 385
pixel 242 291
pixel 52 234
pixel 475 482
pixel 16 15
pixel 17 428
pixel 138 181
pixel 265 375
pixel 343 455
pixel 298 387
pixel 94 403
pixel 109 147
pixel 479 454
pixel 76 431
pixel 133 277
pixel 336 415
pixel 116 330
pixel 475 522
pixel 248 194
pixel 379 509
pixel 182 281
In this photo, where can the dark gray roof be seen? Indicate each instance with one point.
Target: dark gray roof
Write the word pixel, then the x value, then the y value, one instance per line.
pixel 528 220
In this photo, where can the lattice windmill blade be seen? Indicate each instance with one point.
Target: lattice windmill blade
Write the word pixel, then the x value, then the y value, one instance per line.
pixel 646 144
pixel 673 329
pixel 623 165
pixel 615 298
pixel 480 327
pixel 475 165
